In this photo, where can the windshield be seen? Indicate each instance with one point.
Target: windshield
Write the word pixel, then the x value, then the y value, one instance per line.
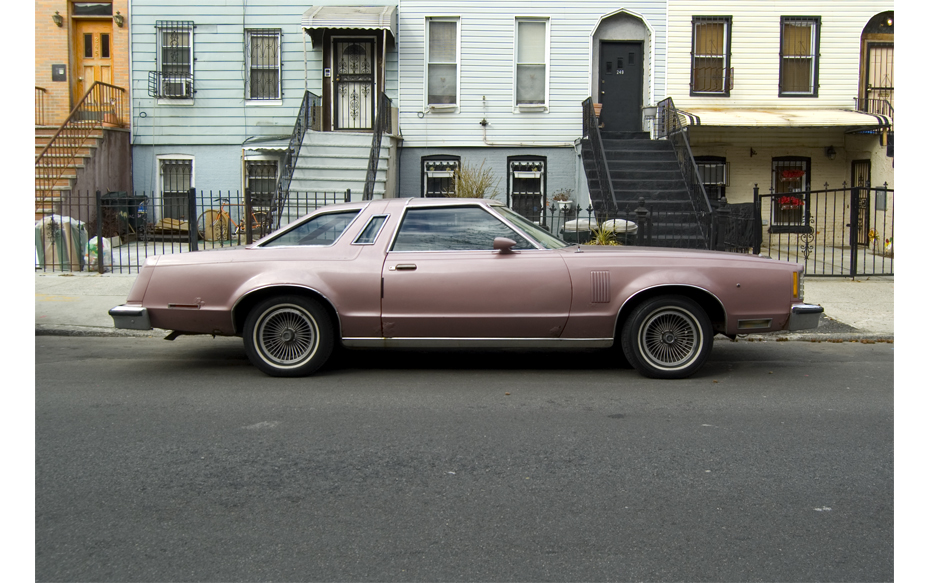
pixel 544 237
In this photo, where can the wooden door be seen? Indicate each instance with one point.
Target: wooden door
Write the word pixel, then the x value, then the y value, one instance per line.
pixel 93 55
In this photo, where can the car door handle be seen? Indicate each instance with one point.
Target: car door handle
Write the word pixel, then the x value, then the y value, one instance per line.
pixel 404 267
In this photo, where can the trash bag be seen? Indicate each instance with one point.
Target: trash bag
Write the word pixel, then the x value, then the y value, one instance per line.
pixel 61 243
pixel 90 257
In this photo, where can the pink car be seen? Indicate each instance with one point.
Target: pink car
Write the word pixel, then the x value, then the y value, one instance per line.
pixel 461 273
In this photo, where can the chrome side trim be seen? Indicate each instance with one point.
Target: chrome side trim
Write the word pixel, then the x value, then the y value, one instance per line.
pixel 726 316
pixel 478 342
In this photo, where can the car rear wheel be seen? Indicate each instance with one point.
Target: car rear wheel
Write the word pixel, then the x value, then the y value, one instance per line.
pixel 667 337
pixel 288 336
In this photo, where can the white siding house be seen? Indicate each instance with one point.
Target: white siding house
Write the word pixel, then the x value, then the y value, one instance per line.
pixel 501 84
pixel 807 84
pixel 217 86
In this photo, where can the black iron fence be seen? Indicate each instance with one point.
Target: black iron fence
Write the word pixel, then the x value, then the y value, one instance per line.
pixel 847 231
pixel 117 231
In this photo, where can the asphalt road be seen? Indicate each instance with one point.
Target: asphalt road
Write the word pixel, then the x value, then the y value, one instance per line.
pixel 161 461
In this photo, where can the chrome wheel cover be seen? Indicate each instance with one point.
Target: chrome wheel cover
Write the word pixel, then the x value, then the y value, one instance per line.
pixel 670 338
pixel 286 336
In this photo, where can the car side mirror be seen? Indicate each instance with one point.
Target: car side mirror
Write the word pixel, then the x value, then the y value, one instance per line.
pixel 504 245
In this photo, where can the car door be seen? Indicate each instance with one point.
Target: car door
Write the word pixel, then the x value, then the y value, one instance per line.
pixel 443 279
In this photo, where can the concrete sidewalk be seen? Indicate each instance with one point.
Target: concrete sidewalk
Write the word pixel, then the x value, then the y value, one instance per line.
pixel 77 304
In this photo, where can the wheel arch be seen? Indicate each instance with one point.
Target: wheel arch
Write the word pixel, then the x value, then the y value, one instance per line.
pixel 709 302
pixel 245 304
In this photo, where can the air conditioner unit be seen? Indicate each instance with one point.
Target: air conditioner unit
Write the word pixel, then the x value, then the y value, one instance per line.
pixel 177 87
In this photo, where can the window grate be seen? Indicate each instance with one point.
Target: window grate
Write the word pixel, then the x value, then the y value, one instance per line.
pixel 174 74
pixel 263 61
pixel 800 47
pixel 710 55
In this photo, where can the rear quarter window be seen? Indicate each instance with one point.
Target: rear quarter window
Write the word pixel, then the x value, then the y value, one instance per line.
pixel 320 231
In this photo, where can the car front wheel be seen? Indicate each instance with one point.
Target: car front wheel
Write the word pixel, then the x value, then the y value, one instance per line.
pixel 667 337
pixel 288 336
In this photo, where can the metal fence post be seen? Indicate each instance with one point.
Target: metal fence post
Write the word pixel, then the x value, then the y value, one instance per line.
pixel 642 214
pixel 99 234
pixel 247 219
pixel 348 195
pixel 192 218
pixel 723 224
pixel 756 221
pixel 854 232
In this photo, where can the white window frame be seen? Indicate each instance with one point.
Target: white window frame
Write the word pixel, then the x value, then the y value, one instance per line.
pixel 440 107
pixel 530 107
pixel 262 32
pixel 159 64
pixel 813 58
pixel 251 156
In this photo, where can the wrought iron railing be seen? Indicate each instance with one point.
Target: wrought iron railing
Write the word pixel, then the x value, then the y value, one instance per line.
pixel 672 125
pixel 309 107
pixel 382 125
pixel 40 105
pixel 101 106
pixel 604 202
pixel 876 106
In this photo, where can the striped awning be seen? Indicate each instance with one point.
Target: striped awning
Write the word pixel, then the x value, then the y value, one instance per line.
pixel 794 118
pixel 351 17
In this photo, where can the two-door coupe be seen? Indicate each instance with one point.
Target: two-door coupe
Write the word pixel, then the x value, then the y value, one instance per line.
pixel 460 273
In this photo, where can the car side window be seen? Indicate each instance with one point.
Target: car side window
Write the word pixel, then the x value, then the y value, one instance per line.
pixel 453 229
pixel 321 230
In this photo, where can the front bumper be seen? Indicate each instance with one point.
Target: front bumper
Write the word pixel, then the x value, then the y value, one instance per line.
pixel 130 317
pixel 804 317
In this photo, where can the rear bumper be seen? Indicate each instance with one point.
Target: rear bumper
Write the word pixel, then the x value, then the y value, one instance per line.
pixel 804 317
pixel 130 317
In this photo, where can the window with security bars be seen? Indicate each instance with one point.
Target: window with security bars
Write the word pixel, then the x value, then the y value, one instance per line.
pixel 527 186
pixel 531 61
pixel 263 63
pixel 261 181
pixel 439 175
pixel 710 55
pixel 714 174
pixel 790 182
pixel 800 48
pixel 176 179
pixel 174 77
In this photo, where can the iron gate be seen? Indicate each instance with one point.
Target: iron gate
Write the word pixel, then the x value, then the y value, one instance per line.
pixel 846 231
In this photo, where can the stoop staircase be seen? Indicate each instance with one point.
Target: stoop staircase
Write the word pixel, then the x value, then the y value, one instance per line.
pixel 336 161
pixel 641 168
pixel 48 196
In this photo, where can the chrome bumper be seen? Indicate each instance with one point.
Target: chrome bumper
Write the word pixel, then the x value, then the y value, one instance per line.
pixel 804 317
pixel 130 317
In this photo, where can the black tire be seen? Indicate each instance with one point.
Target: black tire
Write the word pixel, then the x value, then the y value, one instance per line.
pixel 667 337
pixel 288 336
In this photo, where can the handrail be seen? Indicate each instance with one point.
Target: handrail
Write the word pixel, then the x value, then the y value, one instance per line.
pixel 40 105
pixel 592 132
pixel 306 119
pixel 101 105
pixel 382 125
pixel 672 125
pixel 876 106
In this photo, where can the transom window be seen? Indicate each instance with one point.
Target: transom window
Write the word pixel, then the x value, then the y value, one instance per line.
pixel 263 61
pixel 442 61
pixel 710 55
pixel 800 48
pixel 453 229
